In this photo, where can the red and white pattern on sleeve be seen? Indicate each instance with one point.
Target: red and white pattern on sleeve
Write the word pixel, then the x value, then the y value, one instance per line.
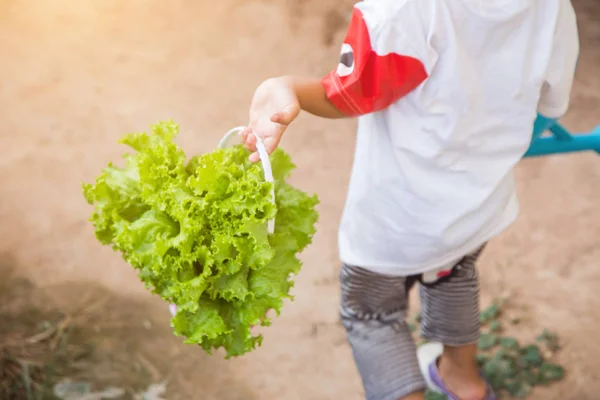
pixel 364 81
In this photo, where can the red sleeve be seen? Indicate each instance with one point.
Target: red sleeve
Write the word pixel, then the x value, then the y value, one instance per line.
pixel 364 81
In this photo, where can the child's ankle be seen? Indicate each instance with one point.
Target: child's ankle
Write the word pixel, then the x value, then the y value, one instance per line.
pixel 464 381
pixel 415 396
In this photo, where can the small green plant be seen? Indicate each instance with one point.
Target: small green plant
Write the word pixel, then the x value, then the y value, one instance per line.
pixel 512 368
pixel 434 396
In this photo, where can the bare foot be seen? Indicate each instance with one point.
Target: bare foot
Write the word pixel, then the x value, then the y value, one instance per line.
pixel 461 376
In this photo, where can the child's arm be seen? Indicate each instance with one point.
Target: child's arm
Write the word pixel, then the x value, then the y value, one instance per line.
pixel 556 89
pixel 312 97
pixel 378 65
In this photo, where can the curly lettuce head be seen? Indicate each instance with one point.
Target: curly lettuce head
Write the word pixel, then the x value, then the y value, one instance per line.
pixel 197 233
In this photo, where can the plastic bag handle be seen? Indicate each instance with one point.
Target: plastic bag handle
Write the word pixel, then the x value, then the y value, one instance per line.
pixel 265 161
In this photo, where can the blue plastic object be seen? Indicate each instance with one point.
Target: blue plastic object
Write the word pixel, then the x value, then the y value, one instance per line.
pixel 560 140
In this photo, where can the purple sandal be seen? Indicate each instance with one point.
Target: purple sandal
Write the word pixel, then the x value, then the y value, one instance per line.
pixel 428 355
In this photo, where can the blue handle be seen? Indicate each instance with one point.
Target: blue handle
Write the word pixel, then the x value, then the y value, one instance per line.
pixel 541 124
pixel 561 141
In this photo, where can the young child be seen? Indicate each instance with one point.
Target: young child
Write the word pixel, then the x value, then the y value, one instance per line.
pixel 446 93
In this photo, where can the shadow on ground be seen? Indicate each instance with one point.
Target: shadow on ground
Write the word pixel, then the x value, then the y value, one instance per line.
pixel 84 333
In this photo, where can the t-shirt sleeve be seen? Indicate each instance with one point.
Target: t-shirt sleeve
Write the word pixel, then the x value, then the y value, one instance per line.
pixel 556 88
pixel 377 65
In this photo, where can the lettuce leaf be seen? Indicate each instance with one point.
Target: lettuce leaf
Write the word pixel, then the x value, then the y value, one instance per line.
pixel 196 231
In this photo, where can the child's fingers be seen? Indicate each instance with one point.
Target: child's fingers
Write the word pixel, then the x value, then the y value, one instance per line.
pixel 244 134
pixel 277 117
pixel 255 157
pixel 250 142
pixel 286 115
pixel 270 145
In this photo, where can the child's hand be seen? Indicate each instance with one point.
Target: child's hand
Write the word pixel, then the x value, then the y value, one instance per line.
pixel 274 106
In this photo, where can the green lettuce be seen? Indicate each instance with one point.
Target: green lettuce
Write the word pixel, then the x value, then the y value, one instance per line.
pixel 196 231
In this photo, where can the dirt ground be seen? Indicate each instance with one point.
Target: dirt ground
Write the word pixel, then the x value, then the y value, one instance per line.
pixel 76 75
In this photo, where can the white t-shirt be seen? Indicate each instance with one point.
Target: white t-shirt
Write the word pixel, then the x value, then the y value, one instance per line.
pixel 447 93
